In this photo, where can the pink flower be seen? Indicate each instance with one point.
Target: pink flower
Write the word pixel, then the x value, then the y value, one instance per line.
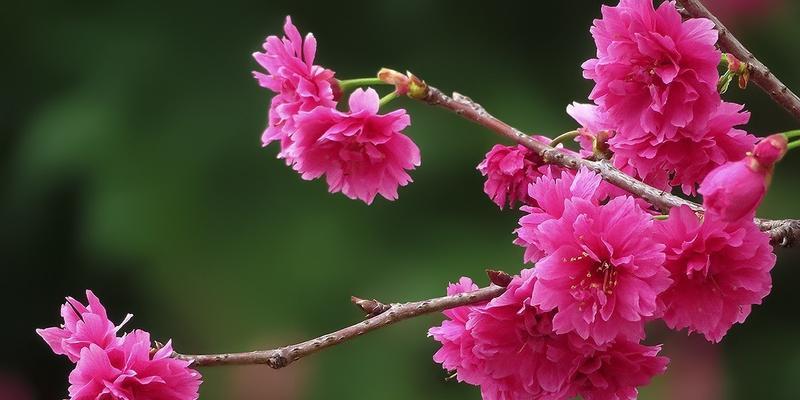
pixel 655 83
pixel 692 157
pixel 503 346
pixel 654 73
pixel 612 371
pixel 509 170
pixel 509 349
pixel 733 191
pixel 360 152
pixel 719 271
pixel 84 325
pixel 128 371
pixel 693 152
pixel 299 84
pixel 595 134
pixel 456 351
pixel 515 343
pixel 603 271
pixel 548 197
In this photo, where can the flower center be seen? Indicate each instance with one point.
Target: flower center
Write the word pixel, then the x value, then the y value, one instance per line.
pixel 601 275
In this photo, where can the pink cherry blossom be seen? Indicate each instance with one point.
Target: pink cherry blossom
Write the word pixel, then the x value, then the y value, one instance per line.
pixel 298 83
pixel 612 371
pixel 509 170
pixel 733 191
pixel 503 346
pixel 509 349
pixel 602 272
pixel 655 84
pixel 129 372
pixel 360 152
pixel 456 351
pixel 597 130
pixel 693 152
pixel 720 270
pixel 548 199
pixel 514 342
pixel 654 73
pixel 84 325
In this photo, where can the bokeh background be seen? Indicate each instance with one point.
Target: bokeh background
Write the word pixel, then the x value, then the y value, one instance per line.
pixel 130 163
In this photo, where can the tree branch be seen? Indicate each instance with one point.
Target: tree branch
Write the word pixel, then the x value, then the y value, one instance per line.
pixel 283 356
pixel 759 73
pixel 782 232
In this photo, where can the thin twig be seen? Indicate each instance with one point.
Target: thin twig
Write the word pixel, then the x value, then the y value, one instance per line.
pixel 283 356
pixel 782 232
pixel 759 73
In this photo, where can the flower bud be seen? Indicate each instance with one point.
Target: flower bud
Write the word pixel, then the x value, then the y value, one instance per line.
pixel 770 150
pixel 395 78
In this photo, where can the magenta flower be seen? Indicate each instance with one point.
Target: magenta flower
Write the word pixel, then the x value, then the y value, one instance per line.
pixel 509 170
pixel 360 152
pixel 298 83
pixel 655 82
pixel 654 73
pixel 456 352
pixel 548 199
pixel 503 346
pixel 720 271
pixel 84 325
pixel 603 271
pixel 612 371
pixel 596 132
pixel 129 372
pixel 733 191
pixel 509 349
pixel 515 344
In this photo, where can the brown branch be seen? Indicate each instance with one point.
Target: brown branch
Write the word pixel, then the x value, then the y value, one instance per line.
pixel 782 232
pixel 283 356
pixel 759 73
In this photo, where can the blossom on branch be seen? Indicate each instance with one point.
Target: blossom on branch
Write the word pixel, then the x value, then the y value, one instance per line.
pixel 129 371
pixel 603 271
pixel 112 367
pixel 733 191
pixel 298 83
pixel 656 84
pixel 84 325
pixel 509 170
pixel 360 152
pixel 508 347
pixel 720 270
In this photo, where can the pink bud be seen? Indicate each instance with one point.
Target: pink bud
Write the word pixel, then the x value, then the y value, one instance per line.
pixel 770 150
pixel 733 191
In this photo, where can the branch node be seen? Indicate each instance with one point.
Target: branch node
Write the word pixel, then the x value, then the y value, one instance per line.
pixel 499 278
pixel 371 308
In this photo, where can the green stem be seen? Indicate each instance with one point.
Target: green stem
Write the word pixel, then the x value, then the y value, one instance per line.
pixel 793 145
pixel 791 134
pixel 661 217
pixel 348 84
pixel 563 138
pixel 388 98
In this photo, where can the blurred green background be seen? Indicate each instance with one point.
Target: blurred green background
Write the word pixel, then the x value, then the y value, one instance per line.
pixel 130 163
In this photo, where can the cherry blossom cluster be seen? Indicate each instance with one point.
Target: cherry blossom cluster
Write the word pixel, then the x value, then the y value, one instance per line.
pixel 605 263
pixel 360 152
pixel 110 366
